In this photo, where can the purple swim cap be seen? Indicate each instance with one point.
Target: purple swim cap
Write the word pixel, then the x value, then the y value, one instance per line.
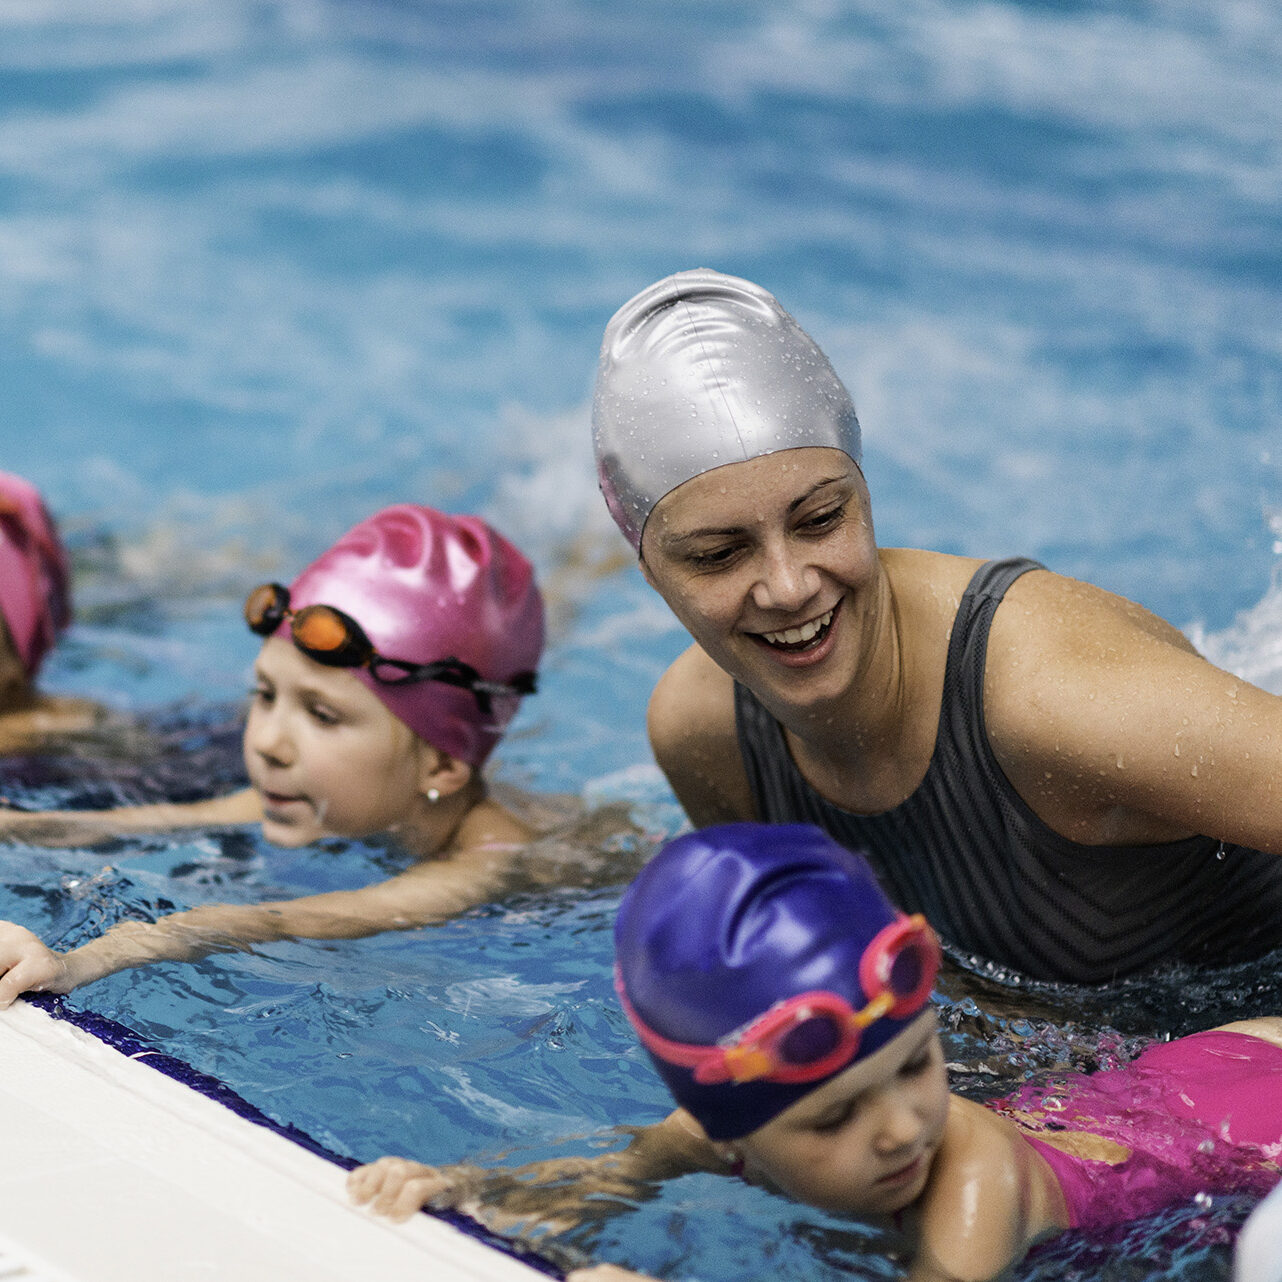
pixel 725 924
pixel 35 578
pixel 425 586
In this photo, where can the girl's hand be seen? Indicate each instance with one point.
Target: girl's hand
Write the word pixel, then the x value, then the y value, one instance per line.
pixel 26 965
pixel 556 1194
pixel 396 1187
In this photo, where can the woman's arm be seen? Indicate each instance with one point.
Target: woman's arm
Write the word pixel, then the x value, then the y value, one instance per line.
pixel 692 734
pixel 1116 732
pixel 427 893
pixel 558 1193
pixel 84 827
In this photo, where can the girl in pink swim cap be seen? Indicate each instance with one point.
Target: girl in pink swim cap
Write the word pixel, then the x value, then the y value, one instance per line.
pixel 389 669
pixel 785 1002
pixel 35 606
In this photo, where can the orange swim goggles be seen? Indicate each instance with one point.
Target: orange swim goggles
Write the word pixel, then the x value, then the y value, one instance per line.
pixel 331 637
pixel 813 1034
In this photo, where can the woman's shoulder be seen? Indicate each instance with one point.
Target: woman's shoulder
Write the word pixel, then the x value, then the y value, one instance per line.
pixel 691 724
pixel 1067 612
pixel 693 695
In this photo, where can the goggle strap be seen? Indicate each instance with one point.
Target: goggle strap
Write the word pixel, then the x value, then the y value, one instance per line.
pixel 357 651
pixel 739 1059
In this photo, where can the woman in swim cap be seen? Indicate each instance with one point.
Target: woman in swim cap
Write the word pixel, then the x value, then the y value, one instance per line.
pixel 389 670
pixel 35 607
pixel 1008 746
pixel 785 1002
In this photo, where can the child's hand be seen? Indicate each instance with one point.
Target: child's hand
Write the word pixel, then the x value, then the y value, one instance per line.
pixel 397 1187
pixel 556 1194
pixel 26 965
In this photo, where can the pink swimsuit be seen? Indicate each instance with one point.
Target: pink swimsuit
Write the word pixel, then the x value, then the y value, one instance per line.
pixel 1202 1114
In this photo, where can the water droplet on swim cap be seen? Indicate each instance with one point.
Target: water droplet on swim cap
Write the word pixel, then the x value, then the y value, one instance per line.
pixel 720 351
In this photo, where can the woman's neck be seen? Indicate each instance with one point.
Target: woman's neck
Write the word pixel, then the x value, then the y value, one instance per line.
pixel 873 731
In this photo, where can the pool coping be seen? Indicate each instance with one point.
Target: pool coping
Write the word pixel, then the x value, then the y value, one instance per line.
pixel 124 1164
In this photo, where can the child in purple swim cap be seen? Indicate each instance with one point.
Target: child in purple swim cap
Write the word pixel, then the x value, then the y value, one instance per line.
pixel 35 607
pixel 389 669
pixel 785 1002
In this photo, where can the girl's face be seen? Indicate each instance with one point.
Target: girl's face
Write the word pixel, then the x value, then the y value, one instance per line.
pixel 864 1142
pixel 324 755
pixel 769 564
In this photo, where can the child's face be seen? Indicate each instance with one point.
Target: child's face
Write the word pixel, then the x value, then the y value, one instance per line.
pixel 324 755
pixel 862 1143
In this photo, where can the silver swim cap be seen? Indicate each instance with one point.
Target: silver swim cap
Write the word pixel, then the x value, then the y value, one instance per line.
pixel 698 371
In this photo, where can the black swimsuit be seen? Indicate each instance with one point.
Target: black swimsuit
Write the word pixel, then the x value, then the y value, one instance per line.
pixel 993 879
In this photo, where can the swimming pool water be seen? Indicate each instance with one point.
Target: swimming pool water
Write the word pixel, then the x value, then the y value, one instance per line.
pixel 270 264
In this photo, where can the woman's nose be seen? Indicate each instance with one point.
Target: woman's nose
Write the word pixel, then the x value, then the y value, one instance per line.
pixel 786 581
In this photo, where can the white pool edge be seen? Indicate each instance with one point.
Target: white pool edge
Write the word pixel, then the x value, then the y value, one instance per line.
pixel 112 1171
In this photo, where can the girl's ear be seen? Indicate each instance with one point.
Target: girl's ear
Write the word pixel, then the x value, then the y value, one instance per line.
pixel 441 775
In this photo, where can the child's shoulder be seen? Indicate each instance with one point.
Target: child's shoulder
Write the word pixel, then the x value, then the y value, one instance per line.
pixel 987 1199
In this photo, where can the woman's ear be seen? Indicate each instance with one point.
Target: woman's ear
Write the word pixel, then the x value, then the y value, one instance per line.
pixel 441 775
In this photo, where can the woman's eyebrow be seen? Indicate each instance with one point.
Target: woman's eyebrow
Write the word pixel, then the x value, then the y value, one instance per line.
pixel 814 489
pixel 703 532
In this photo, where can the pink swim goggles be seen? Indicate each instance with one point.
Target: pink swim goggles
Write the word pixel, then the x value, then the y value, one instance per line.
pixel 813 1034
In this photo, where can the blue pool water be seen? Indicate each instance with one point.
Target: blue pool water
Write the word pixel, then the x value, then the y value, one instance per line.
pixel 267 265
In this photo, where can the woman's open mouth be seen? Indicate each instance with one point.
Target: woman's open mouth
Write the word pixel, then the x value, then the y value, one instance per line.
pixel 806 636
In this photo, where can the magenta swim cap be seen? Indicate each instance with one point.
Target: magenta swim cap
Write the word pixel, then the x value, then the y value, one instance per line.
pixel 35 577
pixel 424 587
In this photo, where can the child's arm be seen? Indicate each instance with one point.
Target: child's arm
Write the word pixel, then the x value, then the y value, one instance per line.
pixel 607 1273
pixel 429 892
pixel 85 827
pixel 557 1193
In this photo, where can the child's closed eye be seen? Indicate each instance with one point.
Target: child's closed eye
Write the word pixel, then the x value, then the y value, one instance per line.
pixel 836 1118
pixel 917 1065
pixel 323 714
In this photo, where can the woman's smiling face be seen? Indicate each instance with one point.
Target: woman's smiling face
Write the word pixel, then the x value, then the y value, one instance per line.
pixel 323 753
pixel 768 564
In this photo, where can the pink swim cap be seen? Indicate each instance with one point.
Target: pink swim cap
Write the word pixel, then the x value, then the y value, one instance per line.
pixel 35 577
pixel 425 586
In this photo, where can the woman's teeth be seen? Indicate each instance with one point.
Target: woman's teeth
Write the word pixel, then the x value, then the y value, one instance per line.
pixel 800 636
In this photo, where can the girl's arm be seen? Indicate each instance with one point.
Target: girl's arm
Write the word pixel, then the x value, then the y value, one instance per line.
pixel 607 1273
pixel 427 893
pixel 557 1193
pixel 84 827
